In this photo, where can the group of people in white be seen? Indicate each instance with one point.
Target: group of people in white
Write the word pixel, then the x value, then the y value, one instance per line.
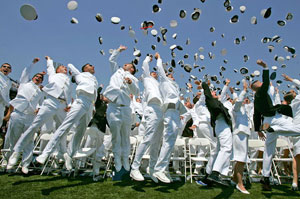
pixel 226 119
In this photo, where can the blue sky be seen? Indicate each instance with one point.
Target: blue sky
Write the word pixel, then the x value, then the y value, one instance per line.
pixel 52 34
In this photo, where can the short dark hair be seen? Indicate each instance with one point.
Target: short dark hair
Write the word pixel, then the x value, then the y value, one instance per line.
pixel 253 83
pixel 59 67
pixel 82 68
pixel 134 68
pixel 5 64
pixel 288 97
pixel 39 74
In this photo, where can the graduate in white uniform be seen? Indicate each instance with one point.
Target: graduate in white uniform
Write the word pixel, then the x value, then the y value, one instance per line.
pixel 122 83
pixel 24 107
pixel 172 108
pixel 203 129
pixel 5 85
pixel 153 121
pixel 241 132
pixel 86 94
pixel 58 91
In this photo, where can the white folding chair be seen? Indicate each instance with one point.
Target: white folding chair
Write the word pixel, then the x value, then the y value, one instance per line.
pixel 194 144
pixel 180 145
pixel 281 143
pixel 85 154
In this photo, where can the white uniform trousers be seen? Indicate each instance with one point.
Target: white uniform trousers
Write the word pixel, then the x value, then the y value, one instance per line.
pixel 153 120
pixel 2 109
pixel 171 130
pixel 19 123
pixel 51 107
pixel 204 130
pixel 279 122
pixel 221 160
pixel 79 112
pixel 119 120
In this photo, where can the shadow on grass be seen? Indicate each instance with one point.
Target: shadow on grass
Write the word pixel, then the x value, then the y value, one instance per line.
pixel 285 189
pixel 141 186
pixel 226 192
pixel 48 191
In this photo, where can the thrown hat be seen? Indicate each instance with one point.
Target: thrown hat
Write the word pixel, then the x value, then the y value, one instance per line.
pixel 234 19
pixel 173 47
pixel 227 3
pixel 289 16
pixel 274 68
pixel 163 30
pixel 243 38
pixel 201 57
pixel 271 48
pixel 273 76
pixel 242 9
pixel 246 58
pixel 173 23
pixel 278 82
pixel 214 78
pixel 290 49
pixel 266 40
pixel 174 36
pixel 179 47
pixel 196 14
pixel 28 12
pixel 188 41
pixel 137 53
pixel 99 17
pixel 182 14
pixel 156 9
pixel 100 40
pixel 229 8
pixel 281 22
pixel 74 20
pixel 187 68
pixel 283 66
pixel 266 13
pixel 237 41
pixel 244 70
pixel 253 20
pixel 212 29
pixel 154 32
pixel 201 49
pixel 186 56
pixel 72 5
pixel 102 52
pixel 153 47
pixel 173 63
pixel 222 68
pixel 115 20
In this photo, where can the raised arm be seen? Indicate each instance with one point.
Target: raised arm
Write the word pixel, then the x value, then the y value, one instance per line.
pixel 50 67
pixel 224 90
pixel 25 77
pixel 113 58
pixel 207 92
pixel 265 77
pixel 160 68
pixel 145 66
pixel 73 70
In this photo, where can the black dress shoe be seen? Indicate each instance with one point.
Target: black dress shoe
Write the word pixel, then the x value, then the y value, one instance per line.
pixel 266 184
pixel 215 177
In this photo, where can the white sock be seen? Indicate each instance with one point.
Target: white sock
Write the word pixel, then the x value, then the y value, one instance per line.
pixel 294 185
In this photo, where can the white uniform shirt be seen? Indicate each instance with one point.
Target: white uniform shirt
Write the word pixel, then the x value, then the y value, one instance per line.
pixel 203 115
pixel 151 85
pixel 29 94
pixel 59 84
pixel 87 82
pixel 240 121
pixel 5 85
pixel 169 90
pixel 296 105
pixel 118 90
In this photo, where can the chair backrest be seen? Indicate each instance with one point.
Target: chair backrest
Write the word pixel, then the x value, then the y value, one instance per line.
pixel 255 143
pixel 180 142
pixel 282 143
pixel 46 136
pixel 199 142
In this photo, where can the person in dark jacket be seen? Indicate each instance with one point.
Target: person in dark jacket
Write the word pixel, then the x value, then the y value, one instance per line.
pixel 222 128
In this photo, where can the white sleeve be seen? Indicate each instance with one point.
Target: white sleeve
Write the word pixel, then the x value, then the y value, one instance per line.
pixel 73 69
pixel 113 61
pixel 145 67
pixel 223 94
pixel 25 74
pixel 160 69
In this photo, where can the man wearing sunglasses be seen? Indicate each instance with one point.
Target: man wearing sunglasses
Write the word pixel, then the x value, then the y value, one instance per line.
pixel 58 91
pixel 23 109
pixel 5 85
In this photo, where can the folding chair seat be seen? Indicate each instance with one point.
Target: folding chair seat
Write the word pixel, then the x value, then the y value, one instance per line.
pixel 194 144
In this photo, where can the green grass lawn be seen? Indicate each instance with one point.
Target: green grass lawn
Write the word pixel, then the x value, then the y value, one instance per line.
pixel 35 186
